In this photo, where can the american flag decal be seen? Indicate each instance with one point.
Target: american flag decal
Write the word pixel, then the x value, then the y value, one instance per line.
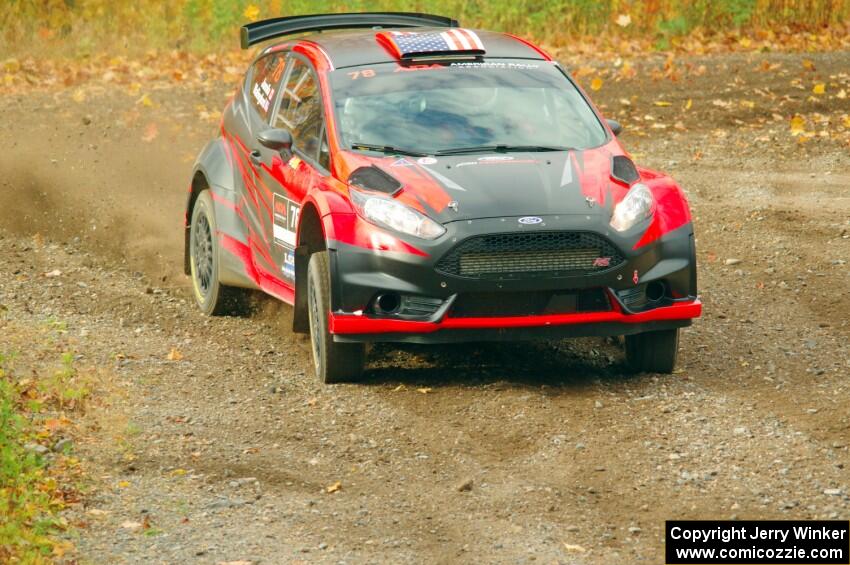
pixel 449 42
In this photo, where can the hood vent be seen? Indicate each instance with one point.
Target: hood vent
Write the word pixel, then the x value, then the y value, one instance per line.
pixel 375 179
pixel 623 170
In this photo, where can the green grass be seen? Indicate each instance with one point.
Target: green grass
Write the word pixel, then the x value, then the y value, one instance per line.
pixel 29 515
pixel 207 25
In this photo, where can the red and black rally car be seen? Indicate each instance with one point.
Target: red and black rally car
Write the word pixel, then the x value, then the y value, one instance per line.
pixel 403 179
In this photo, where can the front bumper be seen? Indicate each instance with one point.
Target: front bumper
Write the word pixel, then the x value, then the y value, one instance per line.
pixel 359 275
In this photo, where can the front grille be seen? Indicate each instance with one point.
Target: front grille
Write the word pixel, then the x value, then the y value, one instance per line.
pixel 489 304
pixel 532 254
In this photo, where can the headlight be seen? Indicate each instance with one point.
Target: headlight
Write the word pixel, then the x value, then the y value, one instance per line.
pixel 389 213
pixel 636 206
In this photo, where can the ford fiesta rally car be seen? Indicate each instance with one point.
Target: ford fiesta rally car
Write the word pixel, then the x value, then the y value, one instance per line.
pixel 403 179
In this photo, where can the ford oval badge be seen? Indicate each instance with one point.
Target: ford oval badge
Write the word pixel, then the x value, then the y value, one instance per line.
pixel 530 220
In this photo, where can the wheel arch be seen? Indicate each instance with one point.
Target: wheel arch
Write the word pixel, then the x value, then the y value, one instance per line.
pixel 311 239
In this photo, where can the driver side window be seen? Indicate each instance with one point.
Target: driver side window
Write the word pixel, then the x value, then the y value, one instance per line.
pixel 300 110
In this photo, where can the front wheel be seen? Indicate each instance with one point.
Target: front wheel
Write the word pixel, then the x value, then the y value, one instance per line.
pixel 334 362
pixel 653 352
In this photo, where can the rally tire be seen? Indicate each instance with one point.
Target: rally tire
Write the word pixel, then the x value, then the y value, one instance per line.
pixel 653 352
pixel 212 297
pixel 334 362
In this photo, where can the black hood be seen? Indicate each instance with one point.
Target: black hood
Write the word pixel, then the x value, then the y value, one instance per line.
pixel 522 184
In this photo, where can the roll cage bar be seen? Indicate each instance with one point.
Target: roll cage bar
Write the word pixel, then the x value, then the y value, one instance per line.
pixel 257 32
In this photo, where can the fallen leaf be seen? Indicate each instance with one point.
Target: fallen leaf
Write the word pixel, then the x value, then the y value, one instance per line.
pixel 624 20
pixel 424 390
pixel 130 525
pixel 574 547
pixel 819 88
pixel 662 103
pixel 53 273
pixel 97 512
pixel 123 484
pixel 145 100
pixel 798 125
pixel 151 132
pixel 596 84
pixel 808 65
pixel 174 355
pixel 12 65
pixel 78 96
pixel 334 487
pixel 846 121
pixel 178 472
pixel 689 104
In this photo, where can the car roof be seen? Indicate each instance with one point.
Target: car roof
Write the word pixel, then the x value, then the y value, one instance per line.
pixel 350 48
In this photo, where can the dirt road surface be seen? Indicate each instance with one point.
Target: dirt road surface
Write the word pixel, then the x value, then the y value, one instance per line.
pixel 228 449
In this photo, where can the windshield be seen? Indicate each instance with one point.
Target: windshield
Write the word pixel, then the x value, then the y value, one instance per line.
pixel 439 107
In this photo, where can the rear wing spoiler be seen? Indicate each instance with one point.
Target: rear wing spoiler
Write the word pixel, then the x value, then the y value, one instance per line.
pixel 257 32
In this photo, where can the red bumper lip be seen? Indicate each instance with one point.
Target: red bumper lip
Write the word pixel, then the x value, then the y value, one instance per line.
pixel 343 324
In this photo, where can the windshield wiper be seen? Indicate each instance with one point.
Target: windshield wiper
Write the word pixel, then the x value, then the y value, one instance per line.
pixel 387 149
pixel 501 149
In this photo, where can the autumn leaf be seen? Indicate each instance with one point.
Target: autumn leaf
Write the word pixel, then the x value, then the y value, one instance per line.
pixel 334 487
pixel 808 65
pixel 145 100
pixel 252 12
pixel 847 121
pixel 819 88
pixel 79 96
pixel 798 125
pixel 596 84
pixel 424 390
pixel 662 103
pixel 624 20
pixel 689 104
pixel 12 65
pixel 151 131
pixel 174 355
pixel 574 547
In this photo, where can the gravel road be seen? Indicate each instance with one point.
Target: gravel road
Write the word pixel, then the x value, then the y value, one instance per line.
pixel 215 443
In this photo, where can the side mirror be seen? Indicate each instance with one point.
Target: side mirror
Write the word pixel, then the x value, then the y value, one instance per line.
pixel 276 139
pixel 615 126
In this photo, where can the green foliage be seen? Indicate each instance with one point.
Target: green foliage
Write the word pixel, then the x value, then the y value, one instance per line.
pixel 28 513
pixel 213 24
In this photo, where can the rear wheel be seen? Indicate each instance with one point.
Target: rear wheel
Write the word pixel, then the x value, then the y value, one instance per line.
pixel 653 352
pixel 334 362
pixel 212 297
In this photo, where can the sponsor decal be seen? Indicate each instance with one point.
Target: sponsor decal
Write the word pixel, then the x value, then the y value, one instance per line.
pixel 427 161
pixel 285 221
pixel 497 160
pixel 602 262
pixel 591 201
pixel 263 93
pixel 294 162
pixel 530 220
pixel 494 65
pixel 402 163
pixel 289 265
